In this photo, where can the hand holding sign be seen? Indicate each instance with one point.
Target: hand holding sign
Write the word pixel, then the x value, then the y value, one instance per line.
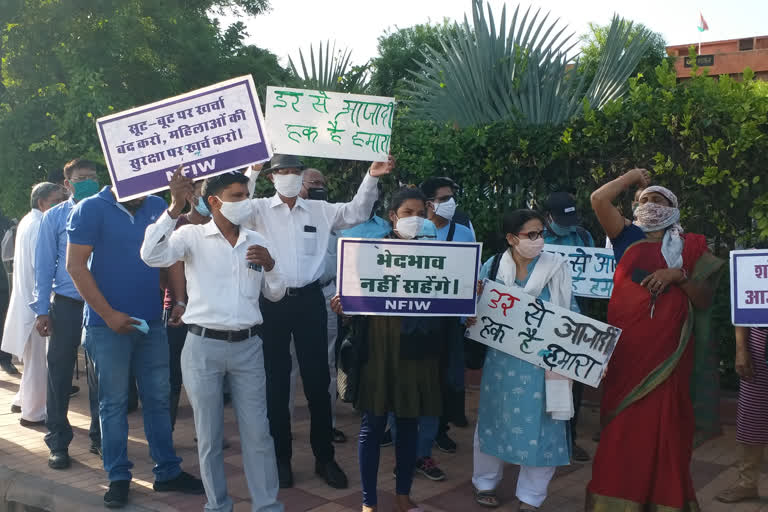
pixel 382 168
pixel 182 192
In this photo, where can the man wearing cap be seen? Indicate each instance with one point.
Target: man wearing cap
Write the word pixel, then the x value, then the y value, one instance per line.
pixel 299 231
pixel 565 229
pixel 227 269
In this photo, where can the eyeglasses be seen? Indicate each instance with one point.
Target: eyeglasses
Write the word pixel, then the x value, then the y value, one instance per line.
pixel 532 235
pixel 83 177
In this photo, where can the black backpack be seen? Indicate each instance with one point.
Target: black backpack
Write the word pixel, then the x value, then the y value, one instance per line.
pixel 474 351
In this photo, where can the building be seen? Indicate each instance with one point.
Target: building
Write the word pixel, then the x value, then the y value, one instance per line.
pixel 725 57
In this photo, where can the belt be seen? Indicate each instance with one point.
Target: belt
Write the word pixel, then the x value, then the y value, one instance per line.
pixel 230 336
pixel 68 299
pixel 295 292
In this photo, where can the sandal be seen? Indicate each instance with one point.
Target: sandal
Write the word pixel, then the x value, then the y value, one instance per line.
pixel 486 498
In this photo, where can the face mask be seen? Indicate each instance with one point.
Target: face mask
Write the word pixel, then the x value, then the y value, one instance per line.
pixel 561 230
pixel 288 185
pixel 201 208
pixel 236 212
pixel 446 209
pixel 409 227
pixel 530 249
pixel 318 194
pixel 85 188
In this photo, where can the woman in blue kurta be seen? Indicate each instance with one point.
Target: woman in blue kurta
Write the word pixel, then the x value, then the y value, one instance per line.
pixel 514 425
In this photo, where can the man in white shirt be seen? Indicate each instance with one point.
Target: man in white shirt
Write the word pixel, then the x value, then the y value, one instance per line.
pixel 20 337
pixel 300 231
pixel 227 268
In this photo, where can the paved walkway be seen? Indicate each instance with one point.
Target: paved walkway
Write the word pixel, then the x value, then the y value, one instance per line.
pixel 26 479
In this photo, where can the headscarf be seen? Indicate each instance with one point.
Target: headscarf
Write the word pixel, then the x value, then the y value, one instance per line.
pixel 655 217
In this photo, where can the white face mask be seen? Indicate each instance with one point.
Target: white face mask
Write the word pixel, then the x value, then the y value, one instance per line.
pixel 409 227
pixel 288 185
pixel 446 209
pixel 236 212
pixel 530 249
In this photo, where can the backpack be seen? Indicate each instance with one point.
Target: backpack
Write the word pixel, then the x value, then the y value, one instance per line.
pixel 8 245
pixel 474 351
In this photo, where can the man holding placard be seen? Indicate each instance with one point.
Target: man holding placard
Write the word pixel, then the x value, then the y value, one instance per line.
pixel 300 230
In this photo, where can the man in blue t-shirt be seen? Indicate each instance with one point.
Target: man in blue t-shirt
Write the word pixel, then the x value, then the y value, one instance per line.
pixel 124 334
pixel 564 229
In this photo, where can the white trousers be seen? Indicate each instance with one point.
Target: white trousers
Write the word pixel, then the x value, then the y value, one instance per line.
pixel 532 483
pixel 333 333
pixel 34 379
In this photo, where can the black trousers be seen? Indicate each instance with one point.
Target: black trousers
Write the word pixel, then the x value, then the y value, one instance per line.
pixel 67 324
pixel 303 316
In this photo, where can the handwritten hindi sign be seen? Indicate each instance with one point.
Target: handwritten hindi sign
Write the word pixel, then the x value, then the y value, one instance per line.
pixel 592 269
pixel 329 124
pixel 543 334
pixel 749 288
pixel 210 131
pixel 408 278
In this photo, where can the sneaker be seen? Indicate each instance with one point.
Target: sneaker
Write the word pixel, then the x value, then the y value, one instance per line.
pixel 445 443
pixel 387 439
pixel 117 495
pixel 74 391
pixel 427 467
pixel 184 483
pixel 96 448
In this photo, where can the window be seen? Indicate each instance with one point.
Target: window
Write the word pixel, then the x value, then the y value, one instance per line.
pixel 746 44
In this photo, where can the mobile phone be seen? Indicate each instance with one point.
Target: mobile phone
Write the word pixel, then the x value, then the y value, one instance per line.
pixel 638 274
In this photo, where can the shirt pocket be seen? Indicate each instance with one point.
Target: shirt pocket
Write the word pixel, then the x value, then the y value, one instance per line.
pixel 309 243
pixel 252 283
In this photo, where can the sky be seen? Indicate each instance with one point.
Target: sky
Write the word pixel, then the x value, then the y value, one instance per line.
pixel 356 24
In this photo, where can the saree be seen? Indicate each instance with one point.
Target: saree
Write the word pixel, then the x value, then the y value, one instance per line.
pixel 647 413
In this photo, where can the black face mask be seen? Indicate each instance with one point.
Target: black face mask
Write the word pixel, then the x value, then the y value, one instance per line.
pixel 318 194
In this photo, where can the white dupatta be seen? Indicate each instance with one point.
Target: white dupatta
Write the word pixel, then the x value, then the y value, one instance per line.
pixel 551 270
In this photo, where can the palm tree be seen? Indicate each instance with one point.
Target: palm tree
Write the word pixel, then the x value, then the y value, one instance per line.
pixel 522 72
pixel 331 70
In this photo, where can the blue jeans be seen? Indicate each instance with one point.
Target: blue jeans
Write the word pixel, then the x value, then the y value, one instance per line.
pixel 115 357
pixel 428 426
pixel 369 450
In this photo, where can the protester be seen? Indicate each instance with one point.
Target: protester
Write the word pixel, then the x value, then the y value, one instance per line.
pixel 227 268
pixel 175 299
pixel 401 374
pixel 315 188
pixel 752 413
pixel 300 231
pixel 61 319
pixel 563 228
pixel 661 280
pixel 124 333
pixel 517 421
pixel 6 224
pixel 19 336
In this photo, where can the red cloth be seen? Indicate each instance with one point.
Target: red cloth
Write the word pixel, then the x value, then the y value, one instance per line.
pixel 645 452
pixel 169 301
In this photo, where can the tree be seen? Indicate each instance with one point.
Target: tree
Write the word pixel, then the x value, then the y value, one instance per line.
pixel 593 46
pixel 64 64
pixel 400 53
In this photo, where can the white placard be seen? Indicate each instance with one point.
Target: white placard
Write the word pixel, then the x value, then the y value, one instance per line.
pixel 592 269
pixel 749 288
pixel 543 334
pixel 329 124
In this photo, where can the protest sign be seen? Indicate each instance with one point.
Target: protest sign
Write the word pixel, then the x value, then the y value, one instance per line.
pixel 408 278
pixel 209 131
pixel 592 269
pixel 749 288
pixel 543 334
pixel 329 124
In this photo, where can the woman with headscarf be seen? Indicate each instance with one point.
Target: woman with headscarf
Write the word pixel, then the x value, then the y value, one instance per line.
pixel 662 278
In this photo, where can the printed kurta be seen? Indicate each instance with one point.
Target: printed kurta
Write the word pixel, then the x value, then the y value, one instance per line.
pixel 513 424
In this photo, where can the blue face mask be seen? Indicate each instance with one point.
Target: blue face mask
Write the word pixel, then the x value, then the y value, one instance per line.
pixel 561 230
pixel 201 208
pixel 85 188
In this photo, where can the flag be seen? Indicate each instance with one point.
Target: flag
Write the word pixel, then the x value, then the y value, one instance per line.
pixel 702 23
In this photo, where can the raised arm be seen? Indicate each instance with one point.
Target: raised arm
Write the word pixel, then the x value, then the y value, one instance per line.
pixel 357 211
pixel 610 218
pixel 162 246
